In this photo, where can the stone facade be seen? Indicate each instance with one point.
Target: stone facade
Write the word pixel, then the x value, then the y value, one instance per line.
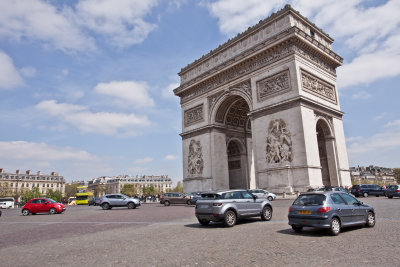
pixel 161 183
pixel 262 111
pixel 26 181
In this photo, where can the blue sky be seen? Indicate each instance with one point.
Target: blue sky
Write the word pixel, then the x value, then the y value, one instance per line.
pixel 86 86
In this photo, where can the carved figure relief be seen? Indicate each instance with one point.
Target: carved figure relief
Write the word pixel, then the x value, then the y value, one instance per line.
pixel 194 115
pixel 244 87
pixel 195 158
pixel 273 84
pixel 279 143
pixel 317 86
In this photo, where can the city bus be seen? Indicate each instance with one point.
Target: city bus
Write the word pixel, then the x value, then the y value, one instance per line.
pixel 82 195
pixel 6 202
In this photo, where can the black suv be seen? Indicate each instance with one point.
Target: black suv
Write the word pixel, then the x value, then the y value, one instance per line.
pixel 367 189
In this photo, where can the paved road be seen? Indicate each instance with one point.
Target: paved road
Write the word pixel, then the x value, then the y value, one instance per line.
pixel 154 235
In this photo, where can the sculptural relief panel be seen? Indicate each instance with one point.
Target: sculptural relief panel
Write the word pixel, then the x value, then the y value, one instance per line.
pixel 277 83
pixel 318 87
pixel 279 147
pixel 195 158
pixel 194 115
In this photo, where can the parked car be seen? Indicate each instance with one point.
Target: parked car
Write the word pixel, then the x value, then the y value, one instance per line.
pixel 174 198
pixel 109 201
pixel 367 189
pixel 330 210
pixel 93 201
pixel 332 188
pixel 261 193
pixel 42 205
pixel 194 196
pixel 393 191
pixel 6 202
pixel 231 206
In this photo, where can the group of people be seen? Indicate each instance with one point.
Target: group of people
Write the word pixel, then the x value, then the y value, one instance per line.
pixel 149 198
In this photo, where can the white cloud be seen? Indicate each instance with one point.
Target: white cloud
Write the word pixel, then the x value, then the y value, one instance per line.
pixel 167 92
pixel 67 161
pixel 9 76
pixel 90 122
pixel 372 34
pixel 143 160
pixel 362 95
pixel 40 21
pixel 28 71
pixel 122 22
pixel 134 93
pixel 170 157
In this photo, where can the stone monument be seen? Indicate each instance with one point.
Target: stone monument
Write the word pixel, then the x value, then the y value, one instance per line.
pixel 262 111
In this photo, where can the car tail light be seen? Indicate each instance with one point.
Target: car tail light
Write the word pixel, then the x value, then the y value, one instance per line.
pixel 217 204
pixel 324 209
pixel 359 190
pixel 398 190
pixel 290 209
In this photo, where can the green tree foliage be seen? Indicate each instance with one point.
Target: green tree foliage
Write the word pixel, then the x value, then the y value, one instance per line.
pixel 55 195
pixel 5 190
pixel 397 174
pixel 129 190
pixel 26 195
pixel 178 187
pixel 70 190
pixel 149 190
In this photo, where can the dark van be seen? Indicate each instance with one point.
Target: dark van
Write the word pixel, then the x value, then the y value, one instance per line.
pixel 367 189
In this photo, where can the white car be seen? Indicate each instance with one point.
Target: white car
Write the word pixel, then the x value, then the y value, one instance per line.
pixel 6 202
pixel 261 193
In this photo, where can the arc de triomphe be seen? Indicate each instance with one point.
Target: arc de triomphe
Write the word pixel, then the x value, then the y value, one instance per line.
pixel 262 111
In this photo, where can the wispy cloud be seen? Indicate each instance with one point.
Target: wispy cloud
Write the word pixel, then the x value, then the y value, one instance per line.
pixel 361 95
pixel 9 75
pixel 134 93
pixel 143 160
pixel 107 123
pixel 170 157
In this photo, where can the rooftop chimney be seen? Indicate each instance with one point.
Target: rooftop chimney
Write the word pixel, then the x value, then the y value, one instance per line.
pixel 28 172
pixel 17 171
pixel 1 170
pixel 39 173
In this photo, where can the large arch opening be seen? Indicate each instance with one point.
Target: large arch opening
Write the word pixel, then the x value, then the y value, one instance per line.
pixel 326 154
pixel 232 115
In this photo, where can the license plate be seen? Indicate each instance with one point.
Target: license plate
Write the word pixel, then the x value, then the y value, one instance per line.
pixel 304 212
pixel 203 206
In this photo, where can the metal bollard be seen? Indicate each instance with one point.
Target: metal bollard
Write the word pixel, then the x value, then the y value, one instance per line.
pixel 284 195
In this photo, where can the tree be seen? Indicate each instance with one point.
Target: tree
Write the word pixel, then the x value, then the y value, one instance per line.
pixel 70 190
pixel 55 195
pixel 397 174
pixel 27 195
pixel 148 190
pixel 129 190
pixel 178 187
pixel 5 190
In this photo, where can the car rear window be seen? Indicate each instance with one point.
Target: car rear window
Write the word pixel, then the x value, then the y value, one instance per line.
pixel 210 196
pixel 310 200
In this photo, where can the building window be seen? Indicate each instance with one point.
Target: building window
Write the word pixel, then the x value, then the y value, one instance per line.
pixel 52 185
pixel 44 185
pixel 22 185
pixel 48 185
pixel 12 184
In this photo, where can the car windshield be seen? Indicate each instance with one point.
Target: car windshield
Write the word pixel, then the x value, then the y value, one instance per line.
pixel 210 196
pixel 50 200
pixel 310 200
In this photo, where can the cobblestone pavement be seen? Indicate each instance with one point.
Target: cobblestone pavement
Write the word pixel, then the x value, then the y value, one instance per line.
pixel 154 235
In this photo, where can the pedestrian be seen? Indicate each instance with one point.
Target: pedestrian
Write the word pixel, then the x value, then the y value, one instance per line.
pixel 0 213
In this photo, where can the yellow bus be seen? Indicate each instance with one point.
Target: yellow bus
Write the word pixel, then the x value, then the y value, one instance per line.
pixel 83 195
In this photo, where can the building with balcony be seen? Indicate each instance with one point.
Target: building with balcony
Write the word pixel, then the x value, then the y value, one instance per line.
pixel 160 183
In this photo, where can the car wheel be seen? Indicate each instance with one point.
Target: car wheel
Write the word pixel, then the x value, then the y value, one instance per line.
pixel 105 206
pixel 365 194
pixel 203 221
pixel 266 214
pixel 166 203
pixel 230 218
pixel 52 211
pixel 335 226
pixel 25 212
pixel 370 219
pixel 270 198
pixel 188 202
pixel 131 205
pixel 297 228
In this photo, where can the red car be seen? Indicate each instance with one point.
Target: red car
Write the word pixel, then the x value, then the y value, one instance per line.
pixel 42 205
